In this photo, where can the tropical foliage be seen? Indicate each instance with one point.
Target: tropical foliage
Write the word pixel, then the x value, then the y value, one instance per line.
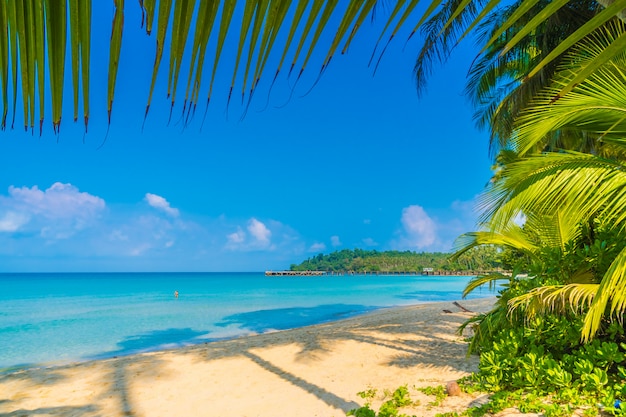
pixel 272 35
pixel 557 201
pixel 360 261
pixel 576 190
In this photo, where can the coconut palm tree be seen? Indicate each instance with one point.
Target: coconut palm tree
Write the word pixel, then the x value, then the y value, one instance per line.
pixel 585 188
pixel 495 85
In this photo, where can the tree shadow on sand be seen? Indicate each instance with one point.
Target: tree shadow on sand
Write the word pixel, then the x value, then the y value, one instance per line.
pixel 83 411
pixel 261 321
pixel 380 330
pixel 154 340
pixel 418 342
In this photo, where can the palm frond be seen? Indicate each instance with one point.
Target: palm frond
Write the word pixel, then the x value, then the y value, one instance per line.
pixel 114 57
pixel 480 280
pixel 572 298
pixel 511 236
pixel 610 299
pixel 595 105
pixel 579 186
pixel 260 26
pixel 485 326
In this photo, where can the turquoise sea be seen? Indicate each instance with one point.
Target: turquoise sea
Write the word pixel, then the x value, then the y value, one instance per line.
pixel 50 319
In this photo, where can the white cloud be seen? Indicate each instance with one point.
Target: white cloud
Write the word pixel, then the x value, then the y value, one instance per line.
pixel 258 235
pixel 161 203
pixel 118 235
pixel 12 221
pixel 418 229
pixel 259 231
pixel 57 212
pixel 237 237
pixel 334 240
pixel 139 250
pixel 68 229
pixel 57 202
pixel 368 241
pixel 317 247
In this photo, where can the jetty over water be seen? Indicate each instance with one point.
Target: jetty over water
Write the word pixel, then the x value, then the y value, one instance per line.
pixel 295 273
pixel 333 273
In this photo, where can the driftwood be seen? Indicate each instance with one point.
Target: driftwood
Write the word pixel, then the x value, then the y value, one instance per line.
pixel 447 311
pixel 462 308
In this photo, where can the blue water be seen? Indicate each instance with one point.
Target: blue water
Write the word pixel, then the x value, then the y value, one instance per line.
pixel 49 319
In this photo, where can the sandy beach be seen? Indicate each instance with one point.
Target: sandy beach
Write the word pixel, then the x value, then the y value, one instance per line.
pixel 311 371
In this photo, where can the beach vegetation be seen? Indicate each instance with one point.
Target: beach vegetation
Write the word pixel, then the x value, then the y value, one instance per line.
pixel 484 258
pixel 554 341
pixel 368 394
pixel 393 402
pixel 363 411
pixel 439 392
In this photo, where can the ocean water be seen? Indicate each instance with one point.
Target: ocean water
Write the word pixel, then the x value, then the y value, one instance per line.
pixel 51 319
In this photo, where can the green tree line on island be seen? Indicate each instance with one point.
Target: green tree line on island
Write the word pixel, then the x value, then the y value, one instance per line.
pixel 483 258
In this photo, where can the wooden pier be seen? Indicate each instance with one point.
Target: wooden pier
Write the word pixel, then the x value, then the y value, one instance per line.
pixel 331 273
pixel 295 273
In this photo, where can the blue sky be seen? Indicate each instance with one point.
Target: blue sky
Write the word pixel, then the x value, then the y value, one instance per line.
pixel 359 162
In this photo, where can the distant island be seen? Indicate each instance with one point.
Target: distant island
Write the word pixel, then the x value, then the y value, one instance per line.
pixel 361 261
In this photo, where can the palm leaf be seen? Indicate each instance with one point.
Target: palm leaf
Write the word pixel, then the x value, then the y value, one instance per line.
pixel 56 24
pixel 4 61
pixel 278 12
pixel 26 67
pixel 398 7
pixel 149 7
pixel 165 8
pixel 481 280
pixel 183 11
pixel 204 25
pixel 40 60
pixel 84 14
pixel 14 59
pixel 255 35
pixel 248 14
pixel 262 21
pixel 365 11
pixel 116 47
pixel 597 21
pixel 511 236
pixel 574 298
pixel 324 18
pixel 75 33
pixel 227 14
pixel 611 293
pixel 551 8
pixel 580 186
pixel 295 23
pixel 609 53
pixel 520 11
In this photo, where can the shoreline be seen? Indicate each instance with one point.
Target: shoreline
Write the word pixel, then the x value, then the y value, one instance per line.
pixel 315 370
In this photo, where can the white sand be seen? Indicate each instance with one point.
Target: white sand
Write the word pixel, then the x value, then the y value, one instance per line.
pixel 312 371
